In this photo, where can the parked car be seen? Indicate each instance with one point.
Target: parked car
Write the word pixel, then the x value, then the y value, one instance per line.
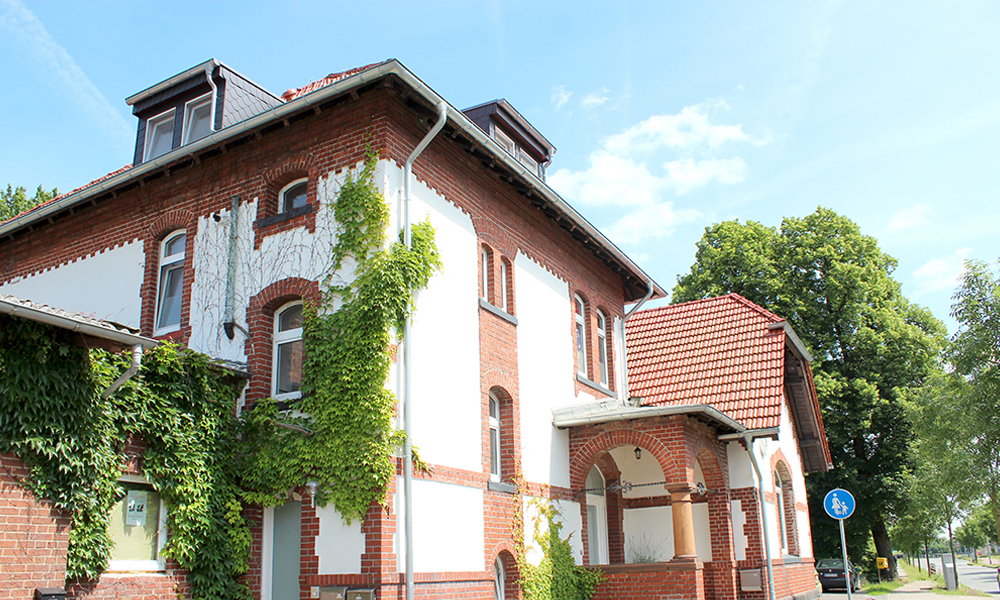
pixel 831 574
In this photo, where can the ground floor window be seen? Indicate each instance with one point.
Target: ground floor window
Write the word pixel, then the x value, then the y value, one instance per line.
pixel 137 529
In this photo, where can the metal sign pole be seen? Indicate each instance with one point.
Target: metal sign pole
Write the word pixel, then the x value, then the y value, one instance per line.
pixel 843 547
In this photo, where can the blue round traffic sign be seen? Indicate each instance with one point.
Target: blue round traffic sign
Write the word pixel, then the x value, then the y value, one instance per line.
pixel 839 504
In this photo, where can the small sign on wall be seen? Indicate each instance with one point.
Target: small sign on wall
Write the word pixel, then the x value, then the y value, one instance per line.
pixel 135 508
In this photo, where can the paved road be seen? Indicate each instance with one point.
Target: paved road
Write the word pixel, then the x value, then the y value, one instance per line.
pixel 979 578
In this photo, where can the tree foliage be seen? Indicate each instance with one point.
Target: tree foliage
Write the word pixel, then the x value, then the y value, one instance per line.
pixel 835 287
pixel 976 358
pixel 14 201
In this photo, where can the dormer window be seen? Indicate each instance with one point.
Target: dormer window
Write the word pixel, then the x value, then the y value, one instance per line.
pixel 506 142
pixel 159 135
pixel 528 161
pixel 197 118
pixel 293 196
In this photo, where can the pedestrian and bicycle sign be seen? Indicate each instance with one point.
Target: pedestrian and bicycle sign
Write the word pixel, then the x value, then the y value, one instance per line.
pixel 839 504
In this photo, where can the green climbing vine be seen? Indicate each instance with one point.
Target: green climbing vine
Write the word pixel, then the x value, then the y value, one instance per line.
pixel 206 465
pixel 348 341
pixel 556 576
pixel 53 416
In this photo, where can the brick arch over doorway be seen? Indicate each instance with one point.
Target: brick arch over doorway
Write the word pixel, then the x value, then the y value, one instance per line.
pixel 586 455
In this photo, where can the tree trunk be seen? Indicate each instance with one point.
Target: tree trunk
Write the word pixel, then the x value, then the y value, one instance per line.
pixel 995 505
pixel 883 547
pixel 927 557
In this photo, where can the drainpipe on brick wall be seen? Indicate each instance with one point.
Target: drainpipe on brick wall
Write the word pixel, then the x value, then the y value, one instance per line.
pixel 136 362
pixel 229 320
pixel 748 440
pixel 631 311
pixel 407 445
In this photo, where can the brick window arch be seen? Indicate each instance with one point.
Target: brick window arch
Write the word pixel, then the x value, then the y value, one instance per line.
pixel 260 347
pixel 501 439
pixel 172 233
pixel 785 510
pixel 274 211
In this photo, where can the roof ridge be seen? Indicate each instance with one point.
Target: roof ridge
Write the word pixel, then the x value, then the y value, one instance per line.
pixel 322 82
pixel 64 194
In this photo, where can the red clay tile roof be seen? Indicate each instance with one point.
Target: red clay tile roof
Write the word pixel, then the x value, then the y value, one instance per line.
pixel 61 196
pixel 329 79
pixel 717 351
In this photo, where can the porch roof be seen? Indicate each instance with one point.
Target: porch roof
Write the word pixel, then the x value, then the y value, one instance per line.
pixel 732 355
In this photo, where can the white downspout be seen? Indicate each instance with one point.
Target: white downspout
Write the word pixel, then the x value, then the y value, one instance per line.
pixel 626 398
pixel 407 445
pixel 136 362
pixel 748 440
pixel 215 92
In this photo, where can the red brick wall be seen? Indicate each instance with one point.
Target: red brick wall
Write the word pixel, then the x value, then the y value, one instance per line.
pixel 33 536
pixel 652 581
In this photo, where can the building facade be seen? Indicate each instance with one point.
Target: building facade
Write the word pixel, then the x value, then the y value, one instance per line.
pixel 222 227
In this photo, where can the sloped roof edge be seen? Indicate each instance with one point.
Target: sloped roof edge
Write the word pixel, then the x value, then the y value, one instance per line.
pixel 72 321
pixel 378 71
pixel 605 412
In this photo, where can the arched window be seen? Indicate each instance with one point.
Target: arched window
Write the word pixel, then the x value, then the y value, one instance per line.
pixel 580 310
pixel 504 284
pixel 485 258
pixel 494 421
pixel 287 358
pixel 785 510
pixel 602 346
pixel 597 518
pixel 499 591
pixel 170 287
pixel 293 195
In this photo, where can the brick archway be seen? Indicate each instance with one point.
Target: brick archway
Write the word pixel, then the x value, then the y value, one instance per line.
pixel 585 457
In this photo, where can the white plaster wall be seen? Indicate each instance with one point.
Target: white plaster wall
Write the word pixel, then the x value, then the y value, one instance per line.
pixel 740 539
pixel 339 546
pixel 545 370
pixel 572 522
pixel 447 527
pixel 645 470
pixel 447 414
pixel 619 358
pixel 105 285
pixel 702 531
pixel 789 446
pixel 648 531
pixel 741 473
pixel 805 534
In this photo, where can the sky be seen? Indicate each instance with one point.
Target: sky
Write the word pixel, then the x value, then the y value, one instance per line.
pixel 667 116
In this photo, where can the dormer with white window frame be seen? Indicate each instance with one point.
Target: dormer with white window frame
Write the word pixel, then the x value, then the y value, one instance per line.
pixel 192 105
pixel 514 134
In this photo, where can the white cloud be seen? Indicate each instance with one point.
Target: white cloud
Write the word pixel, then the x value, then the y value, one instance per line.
pixel 910 217
pixel 687 174
pixel 651 222
pixel 688 128
pixel 30 34
pixel 596 99
pixel 940 274
pixel 560 96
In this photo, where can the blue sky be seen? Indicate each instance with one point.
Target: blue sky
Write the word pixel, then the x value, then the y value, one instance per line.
pixel 667 116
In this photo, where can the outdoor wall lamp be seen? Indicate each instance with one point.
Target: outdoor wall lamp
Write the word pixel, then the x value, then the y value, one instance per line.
pixel 638 453
pixel 312 485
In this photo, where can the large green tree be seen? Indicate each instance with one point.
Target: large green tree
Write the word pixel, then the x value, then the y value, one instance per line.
pixel 976 358
pixel 835 287
pixel 14 201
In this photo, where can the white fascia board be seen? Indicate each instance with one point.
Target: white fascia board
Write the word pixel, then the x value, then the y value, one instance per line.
pixel 606 412
pixel 65 322
pixel 793 337
pixel 169 83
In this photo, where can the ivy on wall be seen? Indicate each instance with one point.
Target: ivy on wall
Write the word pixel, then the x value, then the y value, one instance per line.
pixel 556 576
pixel 207 465
pixel 348 354
pixel 53 417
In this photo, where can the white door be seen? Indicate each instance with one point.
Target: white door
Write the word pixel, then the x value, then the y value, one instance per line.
pixel 282 549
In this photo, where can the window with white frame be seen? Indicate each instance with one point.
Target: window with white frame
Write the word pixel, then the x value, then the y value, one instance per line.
pixel 170 288
pixel 580 309
pixel 505 141
pixel 780 501
pixel 499 583
pixel 287 358
pixel 602 346
pixel 503 285
pixel 293 195
pixel 137 528
pixel 159 135
pixel 494 422
pixel 197 118
pixel 484 270
pixel 527 161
